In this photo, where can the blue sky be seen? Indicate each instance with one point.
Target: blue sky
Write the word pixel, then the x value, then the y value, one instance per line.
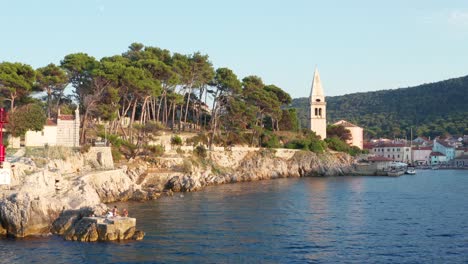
pixel 357 45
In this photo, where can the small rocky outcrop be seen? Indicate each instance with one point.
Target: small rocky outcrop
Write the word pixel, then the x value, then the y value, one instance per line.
pixel 90 229
pixel 32 207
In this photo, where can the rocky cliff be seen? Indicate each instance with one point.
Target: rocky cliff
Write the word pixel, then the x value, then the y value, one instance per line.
pixel 56 199
pixel 259 165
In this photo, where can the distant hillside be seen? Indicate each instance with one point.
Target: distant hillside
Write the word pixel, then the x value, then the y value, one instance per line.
pixel 430 109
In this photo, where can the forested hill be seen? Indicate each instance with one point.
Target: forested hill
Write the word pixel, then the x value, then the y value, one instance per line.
pixel 430 109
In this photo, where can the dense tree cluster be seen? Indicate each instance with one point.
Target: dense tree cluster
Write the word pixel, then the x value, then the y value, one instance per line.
pixel 151 88
pixel 430 110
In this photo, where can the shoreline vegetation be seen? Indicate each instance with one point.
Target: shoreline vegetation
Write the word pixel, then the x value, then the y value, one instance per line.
pixel 129 99
pixel 171 122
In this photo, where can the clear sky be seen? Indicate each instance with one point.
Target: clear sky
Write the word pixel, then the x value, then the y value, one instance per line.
pixel 357 45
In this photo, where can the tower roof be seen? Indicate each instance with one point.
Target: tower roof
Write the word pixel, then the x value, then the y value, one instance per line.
pixel 316 91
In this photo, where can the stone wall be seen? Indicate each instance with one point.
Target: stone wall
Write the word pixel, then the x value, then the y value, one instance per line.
pixel 100 158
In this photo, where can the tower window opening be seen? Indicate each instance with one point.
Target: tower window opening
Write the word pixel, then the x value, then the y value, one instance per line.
pixel 316 112
pixel 317 100
pixel 320 111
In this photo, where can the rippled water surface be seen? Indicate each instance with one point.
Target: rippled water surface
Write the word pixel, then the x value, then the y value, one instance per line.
pixel 409 219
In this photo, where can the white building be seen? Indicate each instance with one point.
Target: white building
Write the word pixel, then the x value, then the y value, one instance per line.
pixel 421 155
pixel 317 108
pixel 357 133
pixel 396 152
pixel 42 138
pixel 64 132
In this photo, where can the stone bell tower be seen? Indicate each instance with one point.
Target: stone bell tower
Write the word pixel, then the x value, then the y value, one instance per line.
pixel 317 108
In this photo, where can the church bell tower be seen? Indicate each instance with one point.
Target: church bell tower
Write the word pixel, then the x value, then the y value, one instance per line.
pixel 317 108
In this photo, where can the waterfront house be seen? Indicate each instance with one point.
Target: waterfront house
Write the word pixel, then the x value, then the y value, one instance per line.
pixel 395 151
pixel 357 133
pixel 380 163
pixel 421 155
pixel 438 158
pixel 444 148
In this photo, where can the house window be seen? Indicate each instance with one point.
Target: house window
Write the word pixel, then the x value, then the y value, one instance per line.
pixel 389 156
pixel 42 133
pixel 398 156
pixel 398 150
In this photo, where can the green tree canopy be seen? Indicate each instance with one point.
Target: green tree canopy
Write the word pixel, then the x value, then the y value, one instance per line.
pixel 339 132
pixel 52 80
pixel 16 81
pixel 27 117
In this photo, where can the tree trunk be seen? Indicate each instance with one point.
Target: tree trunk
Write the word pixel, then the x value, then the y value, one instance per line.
pixel 132 119
pixel 83 126
pixel 188 101
pixel 48 103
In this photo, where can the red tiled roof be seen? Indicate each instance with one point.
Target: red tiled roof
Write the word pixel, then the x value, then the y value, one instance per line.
pixel 443 143
pixel 436 154
pixel 66 117
pixel 368 145
pixel 344 123
pixel 50 122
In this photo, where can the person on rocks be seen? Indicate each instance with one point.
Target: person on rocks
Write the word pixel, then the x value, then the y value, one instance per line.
pixel 115 211
pixel 125 212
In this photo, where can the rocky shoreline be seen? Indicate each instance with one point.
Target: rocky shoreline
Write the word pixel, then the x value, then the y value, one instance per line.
pixel 59 198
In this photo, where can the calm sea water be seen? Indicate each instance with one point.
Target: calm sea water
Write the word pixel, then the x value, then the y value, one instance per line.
pixel 409 219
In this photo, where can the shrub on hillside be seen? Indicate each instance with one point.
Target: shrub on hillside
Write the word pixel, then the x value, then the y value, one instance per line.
pixel 337 144
pixel 156 150
pixel 176 141
pixel 116 154
pixel 269 140
pixel 201 151
pixel 310 142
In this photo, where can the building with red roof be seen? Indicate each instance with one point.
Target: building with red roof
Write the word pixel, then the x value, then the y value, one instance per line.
pixel 63 131
pixel 357 133
pixel 395 151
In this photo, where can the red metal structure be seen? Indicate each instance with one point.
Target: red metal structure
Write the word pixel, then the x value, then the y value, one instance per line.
pixel 3 120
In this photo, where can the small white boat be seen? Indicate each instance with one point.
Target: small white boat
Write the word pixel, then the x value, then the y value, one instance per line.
pixel 410 171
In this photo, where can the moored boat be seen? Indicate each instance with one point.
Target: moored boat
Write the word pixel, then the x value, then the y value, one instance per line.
pixel 411 171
